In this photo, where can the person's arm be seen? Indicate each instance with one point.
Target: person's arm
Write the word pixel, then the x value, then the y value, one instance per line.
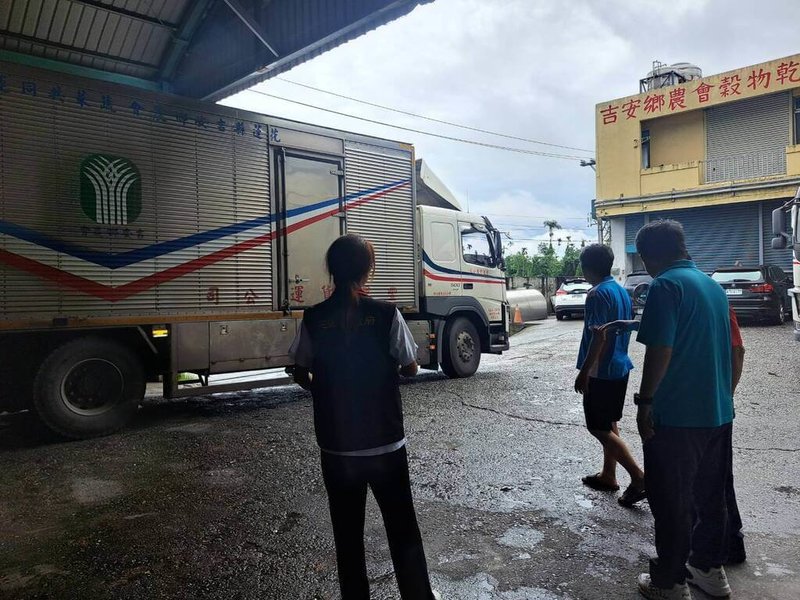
pixel 737 366
pixel 657 331
pixel 656 363
pixel 301 352
pixel 737 351
pixel 403 348
pixel 409 370
pixel 302 377
pixel 621 326
pixel 592 357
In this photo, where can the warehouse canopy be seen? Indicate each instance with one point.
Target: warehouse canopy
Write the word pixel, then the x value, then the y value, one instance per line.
pixel 197 48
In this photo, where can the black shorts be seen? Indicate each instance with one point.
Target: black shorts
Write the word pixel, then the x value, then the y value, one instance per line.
pixel 603 402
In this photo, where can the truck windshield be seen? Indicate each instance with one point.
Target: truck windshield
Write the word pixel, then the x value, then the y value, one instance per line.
pixel 476 247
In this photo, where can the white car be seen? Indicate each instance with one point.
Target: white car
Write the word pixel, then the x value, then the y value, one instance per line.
pixel 570 298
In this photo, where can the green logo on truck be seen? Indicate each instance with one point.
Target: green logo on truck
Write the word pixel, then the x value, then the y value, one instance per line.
pixel 111 189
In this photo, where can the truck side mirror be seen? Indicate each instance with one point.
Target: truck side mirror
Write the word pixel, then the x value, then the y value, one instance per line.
pixel 640 293
pixel 780 239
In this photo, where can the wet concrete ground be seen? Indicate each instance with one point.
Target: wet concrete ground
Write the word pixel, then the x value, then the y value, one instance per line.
pixel 222 498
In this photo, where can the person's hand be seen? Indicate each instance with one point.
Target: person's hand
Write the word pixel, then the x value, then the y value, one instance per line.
pixel 616 327
pixel 644 421
pixel 582 382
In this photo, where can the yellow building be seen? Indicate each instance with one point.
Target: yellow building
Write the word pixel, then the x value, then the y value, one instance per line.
pixel 717 153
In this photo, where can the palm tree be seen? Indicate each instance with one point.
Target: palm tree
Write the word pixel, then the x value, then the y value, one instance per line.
pixel 551 225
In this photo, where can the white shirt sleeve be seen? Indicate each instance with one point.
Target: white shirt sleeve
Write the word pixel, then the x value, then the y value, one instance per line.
pixel 403 348
pixel 302 351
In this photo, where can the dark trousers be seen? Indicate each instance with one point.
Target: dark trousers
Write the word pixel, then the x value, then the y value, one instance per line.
pixel 687 471
pixel 346 479
pixel 735 545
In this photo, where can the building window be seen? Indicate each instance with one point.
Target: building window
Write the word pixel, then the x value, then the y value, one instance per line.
pixel 797 120
pixel 645 148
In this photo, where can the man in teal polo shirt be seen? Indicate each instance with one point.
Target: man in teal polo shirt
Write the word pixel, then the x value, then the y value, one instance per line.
pixel 685 416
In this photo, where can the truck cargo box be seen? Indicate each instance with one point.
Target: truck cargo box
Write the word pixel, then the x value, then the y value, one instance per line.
pixel 120 205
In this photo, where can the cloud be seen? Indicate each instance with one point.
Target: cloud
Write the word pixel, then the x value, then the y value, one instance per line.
pixel 531 69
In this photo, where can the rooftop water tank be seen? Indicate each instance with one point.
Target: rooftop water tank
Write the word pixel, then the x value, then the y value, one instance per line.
pixel 666 75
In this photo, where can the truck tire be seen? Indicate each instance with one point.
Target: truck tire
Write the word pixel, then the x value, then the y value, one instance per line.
pixel 88 387
pixel 462 349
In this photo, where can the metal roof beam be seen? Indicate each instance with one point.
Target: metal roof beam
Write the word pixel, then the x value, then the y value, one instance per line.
pixel 183 38
pixel 380 16
pixel 246 18
pixel 70 69
pixel 118 10
pixel 67 48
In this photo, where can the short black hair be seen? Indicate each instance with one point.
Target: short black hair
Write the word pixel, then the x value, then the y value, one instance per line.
pixel 662 241
pixel 597 259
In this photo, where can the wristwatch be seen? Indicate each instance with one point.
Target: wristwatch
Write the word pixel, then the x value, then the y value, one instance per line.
pixel 641 400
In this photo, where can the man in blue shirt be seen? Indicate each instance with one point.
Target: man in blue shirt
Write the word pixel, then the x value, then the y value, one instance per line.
pixel 685 415
pixel 603 376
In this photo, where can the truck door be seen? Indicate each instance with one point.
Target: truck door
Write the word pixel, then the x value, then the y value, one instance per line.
pixel 310 192
pixel 479 259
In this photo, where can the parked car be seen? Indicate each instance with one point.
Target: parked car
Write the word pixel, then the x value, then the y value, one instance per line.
pixel 570 298
pixel 757 292
pixel 631 281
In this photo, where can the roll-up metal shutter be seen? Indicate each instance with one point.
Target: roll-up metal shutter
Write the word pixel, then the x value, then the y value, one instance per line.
pixel 782 258
pixel 633 223
pixel 748 138
pixel 379 183
pixel 718 236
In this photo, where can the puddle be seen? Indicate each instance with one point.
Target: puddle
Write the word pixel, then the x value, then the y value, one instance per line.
pixel 524 538
pixel 583 501
pixel 95 491
pixel 777 570
pixel 484 587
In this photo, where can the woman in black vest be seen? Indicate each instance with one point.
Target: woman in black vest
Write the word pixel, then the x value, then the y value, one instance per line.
pixel 350 352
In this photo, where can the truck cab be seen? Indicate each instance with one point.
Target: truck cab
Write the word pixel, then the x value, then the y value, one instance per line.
pixel 783 238
pixel 463 286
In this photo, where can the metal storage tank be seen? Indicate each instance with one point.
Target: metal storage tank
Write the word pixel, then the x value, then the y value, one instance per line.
pixel 531 303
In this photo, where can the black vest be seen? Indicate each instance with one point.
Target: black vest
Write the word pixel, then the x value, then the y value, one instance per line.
pixel 355 380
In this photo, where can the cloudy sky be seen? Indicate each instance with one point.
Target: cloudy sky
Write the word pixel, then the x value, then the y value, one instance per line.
pixel 529 68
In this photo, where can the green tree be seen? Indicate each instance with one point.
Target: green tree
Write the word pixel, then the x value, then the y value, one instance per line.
pixel 551 225
pixel 518 264
pixel 571 262
pixel 546 263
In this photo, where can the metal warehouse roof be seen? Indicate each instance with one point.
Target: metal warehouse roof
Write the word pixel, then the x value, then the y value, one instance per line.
pixel 201 48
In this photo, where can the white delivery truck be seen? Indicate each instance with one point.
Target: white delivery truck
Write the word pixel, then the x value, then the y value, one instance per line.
pixel 782 239
pixel 144 236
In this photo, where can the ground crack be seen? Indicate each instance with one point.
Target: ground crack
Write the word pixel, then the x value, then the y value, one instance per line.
pixel 513 416
pixel 767 449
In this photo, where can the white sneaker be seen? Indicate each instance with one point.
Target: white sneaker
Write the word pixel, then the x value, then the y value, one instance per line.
pixel 436 595
pixel 713 582
pixel 676 592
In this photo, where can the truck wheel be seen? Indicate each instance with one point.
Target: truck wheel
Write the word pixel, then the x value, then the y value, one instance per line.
pixel 88 387
pixel 462 349
pixel 560 316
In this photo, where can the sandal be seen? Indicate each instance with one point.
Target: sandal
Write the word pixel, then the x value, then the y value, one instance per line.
pixel 594 482
pixel 631 496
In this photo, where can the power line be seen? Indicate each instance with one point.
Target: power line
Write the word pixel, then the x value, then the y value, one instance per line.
pixel 442 121
pixel 421 132
pixel 499 216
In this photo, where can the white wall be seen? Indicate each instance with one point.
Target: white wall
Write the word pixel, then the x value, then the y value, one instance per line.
pixel 621 263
